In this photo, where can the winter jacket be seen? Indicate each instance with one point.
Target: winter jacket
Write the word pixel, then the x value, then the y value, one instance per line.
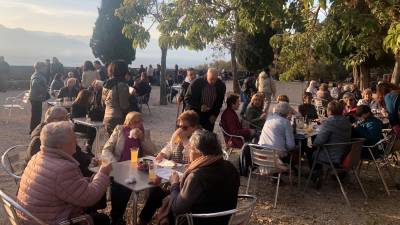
pixel 116 99
pixel 232 125
pixel 38 88
pixel 53 189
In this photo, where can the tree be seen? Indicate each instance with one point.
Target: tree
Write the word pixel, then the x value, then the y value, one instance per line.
pixel 166 15
pixel 254 51
pixel 107 42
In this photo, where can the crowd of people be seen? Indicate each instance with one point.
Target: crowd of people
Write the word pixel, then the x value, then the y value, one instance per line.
pixel 57 184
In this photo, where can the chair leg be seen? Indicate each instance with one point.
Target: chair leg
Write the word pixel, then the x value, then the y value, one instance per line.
pixel 380 173
pixel 148 107
pixel 361 185
pixel 277 190
pixel 338 180
pixel 311 171
pixel 248 182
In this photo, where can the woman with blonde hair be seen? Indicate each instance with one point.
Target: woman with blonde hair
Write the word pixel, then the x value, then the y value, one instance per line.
pixel 254 113
pixel 266 85
pixel 118 149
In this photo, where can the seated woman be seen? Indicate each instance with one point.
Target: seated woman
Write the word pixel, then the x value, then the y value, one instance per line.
pixel 369 128
pixel 118 149
pixel 277 131
pixel 307 109
pixel 52 187
pixel 367 98
pixel 69 91
pixel 254 113
pixel 285 98
pixel 210 184
pixel 324 94
pixel 80 108
pixel 231 124
pixel 350 106
pixel 175 150
pixel 142 86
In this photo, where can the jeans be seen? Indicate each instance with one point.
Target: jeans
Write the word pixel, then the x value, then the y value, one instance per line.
pixel 119 200
pixel 36 114
pixel 246 102
pixel 154 201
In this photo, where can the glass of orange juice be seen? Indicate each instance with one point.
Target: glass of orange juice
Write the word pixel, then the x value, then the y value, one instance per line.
pixel 134 155
pixel 152 172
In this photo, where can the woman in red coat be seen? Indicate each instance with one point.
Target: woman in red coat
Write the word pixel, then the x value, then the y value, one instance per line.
pixel 231 124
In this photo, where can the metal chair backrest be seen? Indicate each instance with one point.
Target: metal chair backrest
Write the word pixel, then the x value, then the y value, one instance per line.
pixel 264 156
pixel 12 161
pixel 11 207
pixel 354 156
pixel 228 137
pixel 239 216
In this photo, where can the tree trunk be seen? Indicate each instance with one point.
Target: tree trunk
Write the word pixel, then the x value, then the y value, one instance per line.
pixel 163 87
pixel 364 77
pixel 356 75
pixel 396 70
pixel 236 87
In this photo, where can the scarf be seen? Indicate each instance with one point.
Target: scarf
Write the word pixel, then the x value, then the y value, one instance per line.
pixel 203 161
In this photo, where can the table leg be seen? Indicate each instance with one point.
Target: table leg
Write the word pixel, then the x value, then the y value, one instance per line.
pixel 299 169
pixel 134 207
pixel 96 153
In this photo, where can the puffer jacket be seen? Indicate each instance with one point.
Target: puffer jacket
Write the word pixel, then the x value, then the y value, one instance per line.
pixel 38 88
pixel 53 189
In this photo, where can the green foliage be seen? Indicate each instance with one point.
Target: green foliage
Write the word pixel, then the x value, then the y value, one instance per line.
pixel 254 51
pixel 392 40
pixel 107 42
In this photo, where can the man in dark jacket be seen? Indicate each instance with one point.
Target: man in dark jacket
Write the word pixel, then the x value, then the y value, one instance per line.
pixel 4 73
pixel 206 96
pixel 190 76
pixel 38 93
pixel 56 67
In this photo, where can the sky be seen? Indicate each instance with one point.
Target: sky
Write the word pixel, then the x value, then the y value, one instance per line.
pixel 77 17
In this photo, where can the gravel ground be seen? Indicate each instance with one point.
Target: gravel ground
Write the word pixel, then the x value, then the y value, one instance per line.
pixel 325 206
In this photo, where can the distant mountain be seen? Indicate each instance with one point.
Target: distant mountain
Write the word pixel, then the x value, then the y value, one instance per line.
pixel 23 47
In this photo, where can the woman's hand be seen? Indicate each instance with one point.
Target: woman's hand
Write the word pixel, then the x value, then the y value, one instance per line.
pixel 136 133
pixel 160 157
pixel 105 167
pixel 174 178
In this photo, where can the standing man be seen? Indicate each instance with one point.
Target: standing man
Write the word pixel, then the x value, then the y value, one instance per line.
pixel 150 73
pixel 190 76
pixel 38 93
pixel 206 96
pixel 249 88
pixel 47 74
pixel 100 69
pixel 56 67
pixel 4 73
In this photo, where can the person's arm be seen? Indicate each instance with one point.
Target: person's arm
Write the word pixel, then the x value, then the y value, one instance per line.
pixel 75 189
pixel 190 102
pixel 109 147
pixel 289 136
pixel 323 136
pixel 183 200
pixel 123 95
pixel 221 90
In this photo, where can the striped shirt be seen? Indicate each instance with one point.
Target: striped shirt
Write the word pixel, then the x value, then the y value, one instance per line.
pixel 209 95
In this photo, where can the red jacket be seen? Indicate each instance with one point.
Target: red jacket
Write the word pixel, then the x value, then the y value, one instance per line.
pixel 231 124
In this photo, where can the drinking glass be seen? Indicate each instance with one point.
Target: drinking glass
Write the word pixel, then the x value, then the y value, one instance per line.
pixel 152 172
pixel 134 155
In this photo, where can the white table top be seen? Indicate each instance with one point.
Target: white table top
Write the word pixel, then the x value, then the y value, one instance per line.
pixel 87 122
pixel 177 86
pixel 62 104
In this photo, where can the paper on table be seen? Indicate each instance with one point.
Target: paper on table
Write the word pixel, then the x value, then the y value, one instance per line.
pixel 165 173
pixel 166 163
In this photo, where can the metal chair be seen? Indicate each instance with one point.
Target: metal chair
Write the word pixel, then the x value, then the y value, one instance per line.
pixel 12 207
pixel 17 102
pixel 265 161
pixel 228 142
pixel 144 100
pixel 386 146
pixel 350 163
pixel 12 161
pixel 320 105
pixel 238 216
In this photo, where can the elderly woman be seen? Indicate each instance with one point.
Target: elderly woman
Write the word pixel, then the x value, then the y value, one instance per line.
pixel 52 187
pixel 69 91
pixel 350 106
pixel 254 113
pixel 366 98
pixel 312 88
pixel 210 184
pixel 175 150
pixel 118 149
pixel 115 95
pixel 231 123
pixel 277 131
pixel 324 94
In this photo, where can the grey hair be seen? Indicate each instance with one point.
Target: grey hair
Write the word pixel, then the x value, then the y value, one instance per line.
pixel 39 65
pixel 283 108
pixel 348 95
pixel 206 142
pixel 56 113
pixel 56 134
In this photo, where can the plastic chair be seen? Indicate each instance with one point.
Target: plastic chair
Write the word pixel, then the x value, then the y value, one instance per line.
pixel 12 207
pixel 17 102
pixel 239 216
pixel 228 142
pixel 12 161
pixel 266 162
pixel 350 163
pixel 386 146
